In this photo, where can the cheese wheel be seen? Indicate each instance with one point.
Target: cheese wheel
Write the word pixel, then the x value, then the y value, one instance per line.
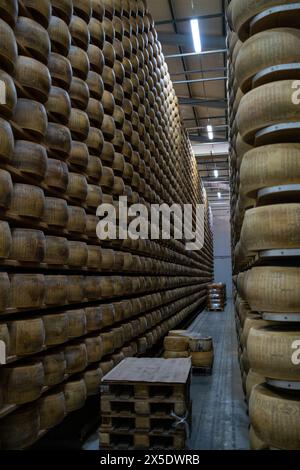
pixel 76 323
pixel 78 254
pixel 32 287
pixel 60 70
pixel 96 31
pixel 57 251
pixel 96 59
pixel 108 342
pixel 33 40
pixel 20 429
pixel 56 212
pixel 253 321
pixel 58 141
pixel 76 358
pixel 9 11
pixel 168 354
pixel 176 343
pixel 271 227
pixel 58 105
pixel 76 289
pixel 32 79
pixel 56 328
pixel 106 366
pixel 92 378
pixel 26 336
pixel 271 47
pixel 75 394
pixel 275 417
pixel 202 359
pixel 27 201
pixel 253 378
pixel 59 35
pixel 79 124
pixel 30 159
pixel 80 62
pixel 79 32
pixel 255 442
pixel 30 117
pixel 83 8
pixel 54 367
pixel 269 165
pixel 76 219
pixel 200 343
pixel 273 289
pixel 265 106
pixel 271 352
pixel 52 409
pixel 56 290
pixel 22 383
pixel 6 140
pixel 57 175
pixel 94 348
pixel 63 9
pixel 7 105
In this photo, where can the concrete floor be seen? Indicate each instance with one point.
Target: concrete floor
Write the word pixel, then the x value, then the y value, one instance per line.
pixel 219 411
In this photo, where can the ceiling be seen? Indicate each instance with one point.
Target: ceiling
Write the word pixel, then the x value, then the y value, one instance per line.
pixel 202 102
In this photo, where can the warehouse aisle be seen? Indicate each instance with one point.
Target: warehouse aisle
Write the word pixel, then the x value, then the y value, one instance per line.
pixel 219 411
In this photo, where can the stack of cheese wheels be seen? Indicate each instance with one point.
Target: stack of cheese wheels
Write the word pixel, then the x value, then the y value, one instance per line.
pixel 90 116
pixel 263 43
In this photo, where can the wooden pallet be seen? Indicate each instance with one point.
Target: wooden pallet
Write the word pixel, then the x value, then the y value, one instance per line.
pixel 158 423
pixel 116 439
pixel 216 309
pixel 130 407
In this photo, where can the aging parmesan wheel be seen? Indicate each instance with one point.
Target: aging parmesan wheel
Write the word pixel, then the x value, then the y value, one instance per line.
pixel 58 141
pixel 6 189
pixel 79 93
pixel 79 124
pixel 243 11
pixel 76 323
pixel 271 48
pixel 30 119
pixel 270 350
pixel 170 354
pixel 94 168
pixel 52 408
pixel 269 165
pixel 76 289
pixel 202 359
pixel 79 61
pixel 255 442
pixel 176 343
pixel 92 379
pixel 253 378
pixel 32 287
pixel 7 106
pixel 78 254
pixel 63 9
pixel 57 251
pixel 22 383
pixel 83 8
pixel 27 201
pixel 265 106
pixel 58 105
pixel 273 289
pixel 96 32
pixel 59 35
pixel 56 328
pixel 108 342
pixel 32 79
pixel 56 212
pixel 271 227
pixel 96 59
pixel 57 175
pixel 94 348
pixel 94 257
pixel 20 429
pixel 75 394
pixel 95 85
pixel 26 336
pixel 200 343
pixel 28 245
pixel 79 32
pixel 95 112
pixel 54 367
pixel 5 291
pixel 56 290
pixel 6 141
pixel 60 70
pixel 92 288
pixel 30 159
pixel 106 366
pixel 33 40
pixel 275 418
pixel 76 358
pixel 76 220
pixel 77 187
pixel 253 321
pixel 9 11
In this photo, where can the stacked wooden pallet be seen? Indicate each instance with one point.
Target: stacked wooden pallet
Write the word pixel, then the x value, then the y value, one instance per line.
pixel 145 404
pixel 90 115
pixel 216 297
pixel 263 41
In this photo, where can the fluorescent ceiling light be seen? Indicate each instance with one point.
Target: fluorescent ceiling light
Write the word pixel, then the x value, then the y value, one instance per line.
pixel 219 195
pixel 210 132
pixel 196 36
pixel 216 173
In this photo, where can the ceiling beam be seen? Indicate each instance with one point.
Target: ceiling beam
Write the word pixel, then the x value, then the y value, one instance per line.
pixel 208 103
pixel 189 18
pixel 186 40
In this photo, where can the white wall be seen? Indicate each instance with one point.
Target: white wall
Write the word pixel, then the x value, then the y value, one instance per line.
pixel 222 251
